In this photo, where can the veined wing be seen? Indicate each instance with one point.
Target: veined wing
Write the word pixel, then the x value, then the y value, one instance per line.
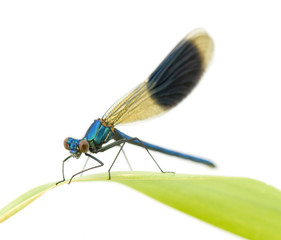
pixel 171 82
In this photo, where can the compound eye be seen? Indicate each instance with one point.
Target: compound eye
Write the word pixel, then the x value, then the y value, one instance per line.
pixel 65 144
pixel 83 146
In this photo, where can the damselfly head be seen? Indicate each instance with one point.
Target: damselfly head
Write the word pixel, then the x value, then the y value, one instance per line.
pixel 76 147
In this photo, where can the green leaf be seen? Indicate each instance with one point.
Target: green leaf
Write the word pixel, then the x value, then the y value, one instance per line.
pixel 243 206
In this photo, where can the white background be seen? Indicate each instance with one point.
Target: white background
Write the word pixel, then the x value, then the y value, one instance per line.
pixel 63 63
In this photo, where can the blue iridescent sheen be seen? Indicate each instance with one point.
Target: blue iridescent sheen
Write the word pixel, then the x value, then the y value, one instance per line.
pixel 168 85
pixel 73 146
pixel 120 135
pixel 92 131
pixel 98 134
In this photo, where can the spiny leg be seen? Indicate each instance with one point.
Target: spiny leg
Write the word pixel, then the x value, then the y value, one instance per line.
pixel 111 145
pixel 109 175
pixel 63 169
pixel 143 145
pixel 121 148
pixel 100 162
pixel 135 138
pixel 114 144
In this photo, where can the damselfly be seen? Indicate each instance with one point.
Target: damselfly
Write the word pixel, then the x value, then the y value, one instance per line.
pixel 170 83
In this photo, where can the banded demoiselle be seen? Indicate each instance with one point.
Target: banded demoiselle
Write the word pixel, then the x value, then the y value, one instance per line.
pixel 168 85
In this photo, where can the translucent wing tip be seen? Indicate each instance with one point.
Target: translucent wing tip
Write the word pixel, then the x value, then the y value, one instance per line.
pixel 204 43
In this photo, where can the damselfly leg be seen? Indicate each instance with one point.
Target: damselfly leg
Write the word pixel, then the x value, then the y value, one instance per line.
pixel 84 170
pixel 122 142
pixel 63 170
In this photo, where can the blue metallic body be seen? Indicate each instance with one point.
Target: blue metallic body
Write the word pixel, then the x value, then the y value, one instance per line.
pixel 167 86
pixel 99 134
pixel 120 135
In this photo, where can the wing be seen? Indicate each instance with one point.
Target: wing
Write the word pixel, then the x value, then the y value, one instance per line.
pixel 171 82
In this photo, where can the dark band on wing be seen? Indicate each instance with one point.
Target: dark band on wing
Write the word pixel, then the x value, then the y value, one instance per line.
pixel 177 74
pixel 172 81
